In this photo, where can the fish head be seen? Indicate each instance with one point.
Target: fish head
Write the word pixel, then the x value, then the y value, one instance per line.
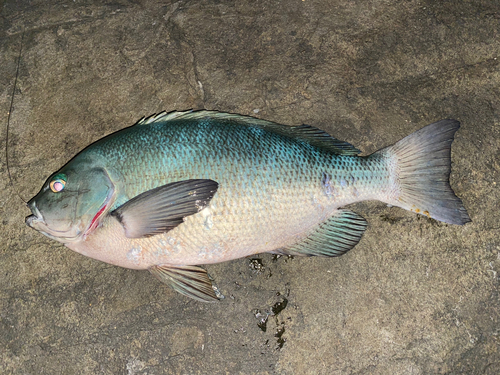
pixel 71 202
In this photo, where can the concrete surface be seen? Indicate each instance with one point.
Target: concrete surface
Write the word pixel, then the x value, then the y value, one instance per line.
pixel 414 297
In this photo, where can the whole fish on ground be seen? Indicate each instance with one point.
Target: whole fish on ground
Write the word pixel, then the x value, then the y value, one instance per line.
pixel 182 189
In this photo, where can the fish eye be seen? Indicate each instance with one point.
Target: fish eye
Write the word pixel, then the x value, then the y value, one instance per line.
pixel 58 183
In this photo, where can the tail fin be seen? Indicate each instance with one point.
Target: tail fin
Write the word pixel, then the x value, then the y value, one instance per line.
pixel 422 166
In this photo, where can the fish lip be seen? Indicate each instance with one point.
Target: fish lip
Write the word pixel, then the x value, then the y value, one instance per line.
pixel 30 219
pixel 37 222
pixel 35 217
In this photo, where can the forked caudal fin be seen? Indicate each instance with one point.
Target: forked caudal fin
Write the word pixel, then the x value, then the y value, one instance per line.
pixel 421 166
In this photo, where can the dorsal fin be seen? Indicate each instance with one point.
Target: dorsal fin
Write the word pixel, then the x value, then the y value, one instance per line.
pixel 306 133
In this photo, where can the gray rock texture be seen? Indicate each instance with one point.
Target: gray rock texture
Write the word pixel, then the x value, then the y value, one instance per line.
pixel 414 297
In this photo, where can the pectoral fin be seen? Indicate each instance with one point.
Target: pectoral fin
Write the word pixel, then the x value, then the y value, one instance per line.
pixel 333 237
pixel 192 281
pixel 163 208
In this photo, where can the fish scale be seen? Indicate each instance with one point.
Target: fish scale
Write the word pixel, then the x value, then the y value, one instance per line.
pixel 188 188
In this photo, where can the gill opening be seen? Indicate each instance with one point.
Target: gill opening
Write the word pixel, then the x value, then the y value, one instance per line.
pixel 8 120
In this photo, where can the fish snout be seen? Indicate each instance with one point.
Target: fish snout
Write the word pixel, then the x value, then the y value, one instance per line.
pixel 36 215
pixel 29 220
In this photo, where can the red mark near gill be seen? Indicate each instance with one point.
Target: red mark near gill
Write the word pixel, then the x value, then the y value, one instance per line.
pixel 94 222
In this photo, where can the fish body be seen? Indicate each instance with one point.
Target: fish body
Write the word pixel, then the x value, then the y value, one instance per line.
pixel 184 189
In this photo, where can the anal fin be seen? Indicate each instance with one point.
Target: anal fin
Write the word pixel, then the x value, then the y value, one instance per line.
pixel 333 237
pixel 191 281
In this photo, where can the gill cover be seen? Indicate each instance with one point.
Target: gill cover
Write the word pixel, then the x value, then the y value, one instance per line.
pixel 71 201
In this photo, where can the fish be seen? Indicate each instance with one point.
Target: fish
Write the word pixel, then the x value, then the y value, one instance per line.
pixel 183 189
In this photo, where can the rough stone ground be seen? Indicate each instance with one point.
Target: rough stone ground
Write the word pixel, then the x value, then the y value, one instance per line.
pixel 414 297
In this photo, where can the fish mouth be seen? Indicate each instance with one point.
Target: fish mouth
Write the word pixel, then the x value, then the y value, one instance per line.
pixel 36 217
pixel 37 222
pixel 31 220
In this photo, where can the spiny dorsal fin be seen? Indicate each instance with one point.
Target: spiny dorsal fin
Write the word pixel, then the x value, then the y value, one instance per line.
pixel 306 133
